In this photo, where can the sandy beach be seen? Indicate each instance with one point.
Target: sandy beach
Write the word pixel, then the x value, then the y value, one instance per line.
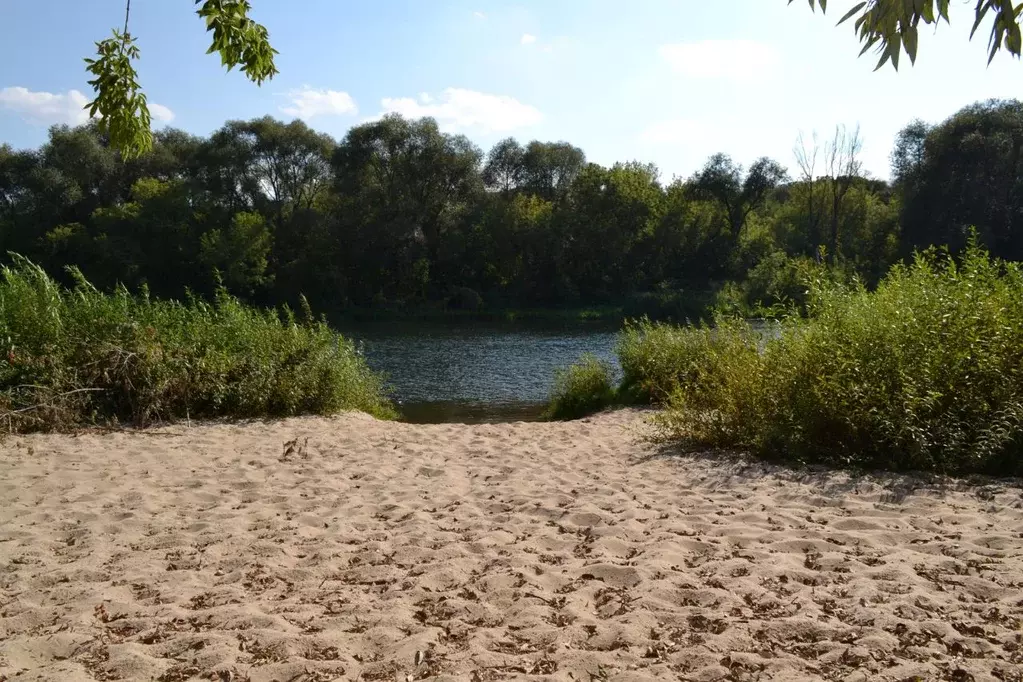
pixel 347 548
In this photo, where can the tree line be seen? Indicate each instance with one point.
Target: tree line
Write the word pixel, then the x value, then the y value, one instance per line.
pixel 401 214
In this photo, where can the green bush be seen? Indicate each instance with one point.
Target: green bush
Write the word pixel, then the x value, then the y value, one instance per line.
pixel 583 388
pixel 73 357
pixel 657 358
pixel 668 304
pixel 778 285
pixel 924 373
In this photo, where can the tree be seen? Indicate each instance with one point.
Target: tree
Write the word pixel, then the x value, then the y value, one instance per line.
pixel 907 156
pixel 238 252
pixel 842 164
pixel 120 104
pixel 612 210
pixel 893 25
pixel 964 173
pixel 806 159
pixel 722 180
pixel 550 167
pixel 285 164
pixel 404 185
pixel 505 167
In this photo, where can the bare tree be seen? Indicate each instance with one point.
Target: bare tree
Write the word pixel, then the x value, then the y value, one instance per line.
pixel 806 159
pixel 841 165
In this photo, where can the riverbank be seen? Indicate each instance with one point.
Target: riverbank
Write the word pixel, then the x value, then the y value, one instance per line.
pixel 672 306
pixel 609 315
pixel 350 548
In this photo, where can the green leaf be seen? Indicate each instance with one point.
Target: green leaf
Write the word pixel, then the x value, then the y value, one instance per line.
pixel 1012 39
pixel 884 58
pixel 909 41
pixel 869 44
pixel 943 9
pixel 981 12
pixel 928 11
pixel 856 8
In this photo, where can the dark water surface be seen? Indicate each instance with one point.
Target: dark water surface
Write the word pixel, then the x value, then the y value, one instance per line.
pixel 475 373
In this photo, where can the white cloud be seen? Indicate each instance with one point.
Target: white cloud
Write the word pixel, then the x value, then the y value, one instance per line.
pixel 48 108
pixel 527 39
pixel 674 131
pixel 479 15
pixel 160 113
pixel 458 110
pixel 45 108
pixel 307 102
pixel 733 59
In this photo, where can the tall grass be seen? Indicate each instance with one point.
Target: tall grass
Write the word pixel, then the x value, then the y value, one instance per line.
pixel 924 373
pixel 80 356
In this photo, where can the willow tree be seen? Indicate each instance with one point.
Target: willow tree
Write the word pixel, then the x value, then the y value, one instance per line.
pixel 120 104
pixel 892 26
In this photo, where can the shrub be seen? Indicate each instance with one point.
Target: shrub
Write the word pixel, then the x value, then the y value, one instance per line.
pixel 924 373
pixel 668 304
pixel 777 285
pixel 583 388
pixel 72 357
pixel 464 298
pixel 657 358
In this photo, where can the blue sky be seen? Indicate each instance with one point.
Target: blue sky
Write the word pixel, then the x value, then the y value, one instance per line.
pixel 667 81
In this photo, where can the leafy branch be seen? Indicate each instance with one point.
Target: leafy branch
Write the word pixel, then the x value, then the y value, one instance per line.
pixel 120 105
pixel 893 25
pixel 238 39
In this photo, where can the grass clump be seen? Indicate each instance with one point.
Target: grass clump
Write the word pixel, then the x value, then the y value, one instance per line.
pixel 582 389
pixel 81 356
pixel 924 373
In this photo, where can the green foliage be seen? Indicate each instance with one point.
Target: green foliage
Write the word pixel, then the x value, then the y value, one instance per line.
pixel 464 298
pixel 399 214
pixel 77 356
pixel 238 39
pixel 967 170
pixel 239 252
pixel 738 194
pixel 892 25
pixel 778 285
pixel 582 389
pixel 924 373
pixel 668 303
pixel 120 105
pixel 657 358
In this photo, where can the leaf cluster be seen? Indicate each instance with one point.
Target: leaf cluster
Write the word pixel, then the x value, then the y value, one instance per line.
pixel 892 26
pixel 239 40
pixel 120 104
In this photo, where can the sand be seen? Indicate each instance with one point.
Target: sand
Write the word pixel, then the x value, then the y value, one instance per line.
pixel 347 548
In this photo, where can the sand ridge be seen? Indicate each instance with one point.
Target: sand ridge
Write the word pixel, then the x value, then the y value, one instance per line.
pixel 318 549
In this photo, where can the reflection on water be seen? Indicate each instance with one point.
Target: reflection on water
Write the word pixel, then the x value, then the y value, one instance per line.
pixel 475 373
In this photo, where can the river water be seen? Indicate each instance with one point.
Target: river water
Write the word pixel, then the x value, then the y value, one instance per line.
pixel 475 373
